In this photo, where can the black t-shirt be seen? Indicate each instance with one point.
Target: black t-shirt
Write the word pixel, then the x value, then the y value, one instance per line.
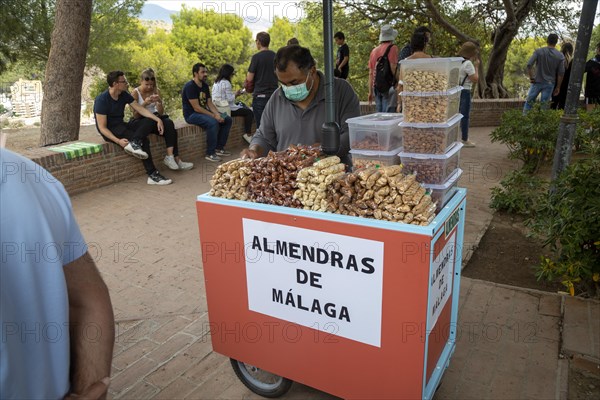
pixel 113 109
pixel 193 91
pixel 265 80
pixel 342 52
pixel 592 79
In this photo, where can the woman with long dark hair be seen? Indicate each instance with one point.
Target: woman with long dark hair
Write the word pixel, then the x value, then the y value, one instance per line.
pixel 558 102
pixel 222 90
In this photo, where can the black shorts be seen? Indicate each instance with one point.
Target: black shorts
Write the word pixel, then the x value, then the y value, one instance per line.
pixel 592 100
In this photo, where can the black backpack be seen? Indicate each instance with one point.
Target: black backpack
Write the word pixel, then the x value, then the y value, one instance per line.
pixel 384 78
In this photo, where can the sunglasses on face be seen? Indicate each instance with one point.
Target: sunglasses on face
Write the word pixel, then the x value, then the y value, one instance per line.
pixel 149 78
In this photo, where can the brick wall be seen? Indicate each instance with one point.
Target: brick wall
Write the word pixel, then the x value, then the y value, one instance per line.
pixel 114 165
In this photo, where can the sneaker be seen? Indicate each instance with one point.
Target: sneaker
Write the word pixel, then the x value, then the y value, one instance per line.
pixel 184 166
pixel 135 149
pixel 169 161
pixel 222 152
pixel 247 138
pixel 213 158
pixel 156 178
pixel 468 143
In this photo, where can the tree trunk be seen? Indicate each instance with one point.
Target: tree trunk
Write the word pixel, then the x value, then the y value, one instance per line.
pixel 61 106
pixel 503 37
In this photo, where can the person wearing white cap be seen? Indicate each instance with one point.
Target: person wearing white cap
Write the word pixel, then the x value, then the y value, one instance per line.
pixel 384 102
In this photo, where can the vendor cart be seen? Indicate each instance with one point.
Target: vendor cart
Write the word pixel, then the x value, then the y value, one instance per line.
pixel 358 308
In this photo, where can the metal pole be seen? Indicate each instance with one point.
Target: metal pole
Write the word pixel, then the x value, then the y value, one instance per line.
pixel 568 122
pixel 330 130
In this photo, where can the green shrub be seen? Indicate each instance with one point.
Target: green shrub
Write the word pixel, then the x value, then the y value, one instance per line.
pixel 530 138
pixel 587 136
pixel 568 220
pixel 519 192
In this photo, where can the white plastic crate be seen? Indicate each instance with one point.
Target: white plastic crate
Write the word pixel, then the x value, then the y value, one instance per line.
pixel 431 168
pixel 379 132
pixel 430 138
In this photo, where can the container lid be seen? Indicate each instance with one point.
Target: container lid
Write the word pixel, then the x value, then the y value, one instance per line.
pixel 377 119
pixel 448 92
pixel 452 179
pixel 432 60
pixel 376 153
pixel 421 156
pixel 451 122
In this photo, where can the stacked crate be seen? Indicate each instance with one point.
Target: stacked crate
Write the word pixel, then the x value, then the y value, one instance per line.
pixel 431 125
pixel 375 139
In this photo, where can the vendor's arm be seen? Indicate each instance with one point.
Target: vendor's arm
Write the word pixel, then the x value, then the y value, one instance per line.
pixel 101 120
pixel 144 112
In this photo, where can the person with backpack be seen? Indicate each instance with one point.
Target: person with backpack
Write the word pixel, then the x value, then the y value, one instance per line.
pixel 382 71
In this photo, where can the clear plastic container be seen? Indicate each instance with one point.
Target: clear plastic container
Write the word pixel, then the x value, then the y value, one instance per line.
pixel 430 107
pixel 441 194
pixel 368 158
pixel 431 168
pixel 430 138
pixel 378 132
pixel 430 74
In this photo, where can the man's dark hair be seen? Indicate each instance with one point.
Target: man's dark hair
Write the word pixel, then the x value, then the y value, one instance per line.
pixel 293 41
pixel 263 38
pixel 552 39
pixel 297 54
pixel 226 72
pixel 113 76
pixel 422 29
pixel 418 41
pixel 197 67
pixel 339 35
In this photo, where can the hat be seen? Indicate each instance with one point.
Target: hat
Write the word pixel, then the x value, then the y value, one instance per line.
pixel 387 34
pixel 468 50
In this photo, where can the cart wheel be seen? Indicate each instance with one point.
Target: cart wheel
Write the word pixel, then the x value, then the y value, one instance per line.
pixel 260 381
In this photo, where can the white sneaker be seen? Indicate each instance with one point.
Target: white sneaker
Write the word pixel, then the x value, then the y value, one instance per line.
pixel 134 148
pixel 468 143
pixel 247 138
pixel 169 161
pixel 184 166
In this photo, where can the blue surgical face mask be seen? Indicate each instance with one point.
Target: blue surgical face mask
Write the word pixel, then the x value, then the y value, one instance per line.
pixel 297 92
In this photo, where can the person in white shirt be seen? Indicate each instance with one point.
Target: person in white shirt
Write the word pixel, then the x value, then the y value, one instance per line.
pixel 223 91
pixel 468 75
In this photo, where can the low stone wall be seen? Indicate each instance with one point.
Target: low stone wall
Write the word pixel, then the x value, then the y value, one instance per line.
pixel 114 165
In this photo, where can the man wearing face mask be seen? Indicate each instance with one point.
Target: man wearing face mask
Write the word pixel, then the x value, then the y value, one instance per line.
pixel 296 111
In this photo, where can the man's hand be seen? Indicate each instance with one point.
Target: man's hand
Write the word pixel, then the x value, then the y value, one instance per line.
pixel 556 91
pixel 160 126
pixel 122 142
pixel 95 391
pixel 218 117
pixel 249 153
pixel 370 98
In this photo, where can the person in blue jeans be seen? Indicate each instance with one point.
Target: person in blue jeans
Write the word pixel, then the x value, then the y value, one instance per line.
pixel 467 76
pixel 548 73
pixel 198 109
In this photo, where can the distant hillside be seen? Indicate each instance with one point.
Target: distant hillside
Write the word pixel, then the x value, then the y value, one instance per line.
pixel 156 13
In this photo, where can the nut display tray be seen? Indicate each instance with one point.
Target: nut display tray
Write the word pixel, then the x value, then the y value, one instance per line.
pixel 378 131
pixel 441 194
pixel 431 168
pixel 431 107
pixel 369 158
pixel 430 74
pixel 430 138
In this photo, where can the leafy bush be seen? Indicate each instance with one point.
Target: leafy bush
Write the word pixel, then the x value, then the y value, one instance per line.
pixel 519 193
pixel 530 138
pixel 568 220
pixel 587 137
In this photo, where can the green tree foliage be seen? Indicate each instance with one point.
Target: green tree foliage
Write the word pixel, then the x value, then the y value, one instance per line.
pixel 27 27
pixel 281 31
pixel 212 38
pixel 515 70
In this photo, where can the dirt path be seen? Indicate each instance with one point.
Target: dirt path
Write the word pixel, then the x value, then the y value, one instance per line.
pixel 29 137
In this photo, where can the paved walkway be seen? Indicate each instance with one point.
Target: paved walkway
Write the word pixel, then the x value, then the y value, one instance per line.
pixel 145 242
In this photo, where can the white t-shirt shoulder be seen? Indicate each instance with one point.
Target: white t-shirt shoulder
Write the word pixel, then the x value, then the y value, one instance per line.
pixel 466 69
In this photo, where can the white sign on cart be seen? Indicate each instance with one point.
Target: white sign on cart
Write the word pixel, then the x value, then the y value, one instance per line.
pixel 329 282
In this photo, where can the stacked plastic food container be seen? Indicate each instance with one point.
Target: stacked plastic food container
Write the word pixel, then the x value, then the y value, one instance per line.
pixel 375 139
pixel 431 124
